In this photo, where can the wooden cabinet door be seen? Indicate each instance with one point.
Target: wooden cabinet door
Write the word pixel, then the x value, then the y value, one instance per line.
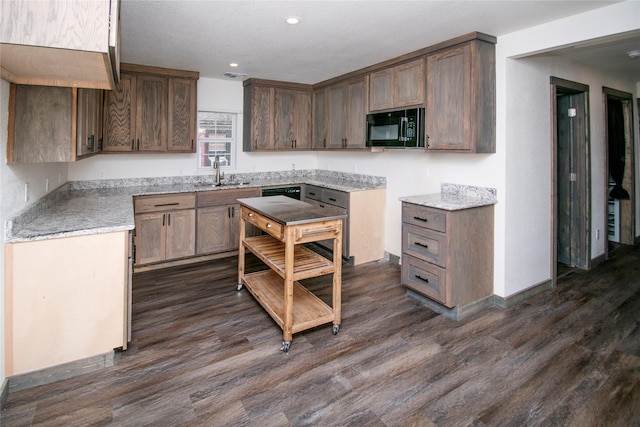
pixel 319 119
pixel 381 90
pixel 214 225
pixel 449 99
pixel 120 105
pixel 151 109
pixel 284 113
pixel 337 116
pixel 261 118
pixel 356 129
pixel 181 115
pixel 150 240
pixel 89 121
pixel 302 120
pixel 408 85
pixel 181 234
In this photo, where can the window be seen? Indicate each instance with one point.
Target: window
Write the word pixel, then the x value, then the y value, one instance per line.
pixel 216 137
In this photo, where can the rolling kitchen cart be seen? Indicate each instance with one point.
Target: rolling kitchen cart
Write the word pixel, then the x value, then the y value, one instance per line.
pixel 288 224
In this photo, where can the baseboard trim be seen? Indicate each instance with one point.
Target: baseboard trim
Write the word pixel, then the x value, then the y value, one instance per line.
pixel 521 296
pixel 455 313
pixel 59 372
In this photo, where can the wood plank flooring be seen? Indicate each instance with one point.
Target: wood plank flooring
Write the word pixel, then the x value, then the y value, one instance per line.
pixel 203 354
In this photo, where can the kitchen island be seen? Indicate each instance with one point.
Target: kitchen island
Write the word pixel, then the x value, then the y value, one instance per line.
pixel 288 224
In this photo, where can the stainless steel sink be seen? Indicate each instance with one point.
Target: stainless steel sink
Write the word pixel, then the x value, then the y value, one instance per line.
pixel 232 184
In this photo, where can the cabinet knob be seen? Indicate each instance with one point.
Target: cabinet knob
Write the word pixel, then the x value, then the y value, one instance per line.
pixel 250 214
pixel 268 225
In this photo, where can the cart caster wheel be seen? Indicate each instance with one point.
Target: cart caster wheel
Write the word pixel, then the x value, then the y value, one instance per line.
pixel 335 329
pixel 286 345
pixel 238 288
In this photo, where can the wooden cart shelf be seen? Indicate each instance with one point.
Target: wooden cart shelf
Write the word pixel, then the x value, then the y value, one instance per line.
pixel 307 263
pixel 289 224
pixel 308 311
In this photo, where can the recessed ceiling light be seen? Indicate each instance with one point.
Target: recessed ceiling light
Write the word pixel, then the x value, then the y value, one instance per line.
pixel 233 64
pixel 293 20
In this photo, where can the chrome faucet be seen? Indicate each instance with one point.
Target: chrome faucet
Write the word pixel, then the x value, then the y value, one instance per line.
pixel 216 167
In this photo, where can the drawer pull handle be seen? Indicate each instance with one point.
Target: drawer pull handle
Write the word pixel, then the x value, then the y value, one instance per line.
pixel 424 245
pixel 421 219
pixel 166 204
pixel 332 199
pixel 421 278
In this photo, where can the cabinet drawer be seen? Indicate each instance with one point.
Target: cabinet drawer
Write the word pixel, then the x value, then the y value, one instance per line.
pixel 313 192
pixel 164 202
pixel 225 197
pixel 335 198
pixel 422 243
pixel 263 223
pixel 421 216
pixel 427 279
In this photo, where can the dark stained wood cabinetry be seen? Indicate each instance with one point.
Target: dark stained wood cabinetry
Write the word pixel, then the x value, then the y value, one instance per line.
pixel 53 124
pixel 447 256
pixel 340 114
pixel 398 86
pixel 277 116
pixel 460 101
pixel 152 109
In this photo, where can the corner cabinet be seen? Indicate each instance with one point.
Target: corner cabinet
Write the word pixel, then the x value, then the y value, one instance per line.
pixel 447 256
pixel 53 124
pixel 340 112
pixel 72 44
pixel 460 98
pixel 398 86
pixel 277 116
pixel 153 110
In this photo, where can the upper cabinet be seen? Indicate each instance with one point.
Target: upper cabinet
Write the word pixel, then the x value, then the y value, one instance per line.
pixel 340 112
pixel 53 124
pixel 460 101
pixel 151 109
pixel 277 116
pixel 61 43
pixel 397 86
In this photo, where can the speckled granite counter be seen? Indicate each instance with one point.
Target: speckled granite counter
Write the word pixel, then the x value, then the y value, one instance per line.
pixel 454 197
pixel 92 207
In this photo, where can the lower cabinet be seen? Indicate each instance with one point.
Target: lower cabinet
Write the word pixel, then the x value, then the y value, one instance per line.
pixel 363 230
pixel 447 256
pixel 165 227
pixel 218 219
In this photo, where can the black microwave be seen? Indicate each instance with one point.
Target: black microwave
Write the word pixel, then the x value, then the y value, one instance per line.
pixel 396 129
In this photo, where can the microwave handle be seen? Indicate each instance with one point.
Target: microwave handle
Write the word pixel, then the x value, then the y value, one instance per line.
pixel 404 125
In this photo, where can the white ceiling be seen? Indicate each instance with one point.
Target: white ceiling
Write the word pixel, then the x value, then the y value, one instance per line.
pixel 334 37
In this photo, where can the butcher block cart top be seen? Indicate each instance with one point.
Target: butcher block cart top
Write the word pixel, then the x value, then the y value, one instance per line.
pixel 288 224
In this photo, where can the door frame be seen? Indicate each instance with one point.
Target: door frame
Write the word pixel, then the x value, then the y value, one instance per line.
pixel 583 180
pixel 629 207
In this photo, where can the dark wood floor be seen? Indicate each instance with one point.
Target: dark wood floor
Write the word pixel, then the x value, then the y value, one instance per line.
pixel 203 354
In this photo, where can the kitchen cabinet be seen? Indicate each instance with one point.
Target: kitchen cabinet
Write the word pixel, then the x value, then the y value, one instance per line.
pixel 363 229
pixel 53 124
pixel 67 299
pixel 218 218
pixel 397 86
pixel 340 114
pixel 277 116
pixel 72 44
pixel 288 225
pixel 152 110
pixel 165 227
pixel 447 256
pixel 460 98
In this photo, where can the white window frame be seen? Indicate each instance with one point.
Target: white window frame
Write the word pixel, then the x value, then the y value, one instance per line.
pixel 223 145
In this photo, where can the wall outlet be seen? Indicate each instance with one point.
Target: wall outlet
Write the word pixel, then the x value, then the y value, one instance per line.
pixel 293 166
pixel 101 174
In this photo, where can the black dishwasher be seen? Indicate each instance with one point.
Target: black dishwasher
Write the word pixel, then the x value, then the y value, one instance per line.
pixel 289 191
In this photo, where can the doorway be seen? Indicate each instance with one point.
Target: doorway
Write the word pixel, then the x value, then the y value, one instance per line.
pixel 620 168
pixel 571 176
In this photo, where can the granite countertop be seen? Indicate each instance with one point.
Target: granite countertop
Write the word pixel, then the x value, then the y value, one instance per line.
pixel 288 211
pixel 92 207
pixel 453 197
